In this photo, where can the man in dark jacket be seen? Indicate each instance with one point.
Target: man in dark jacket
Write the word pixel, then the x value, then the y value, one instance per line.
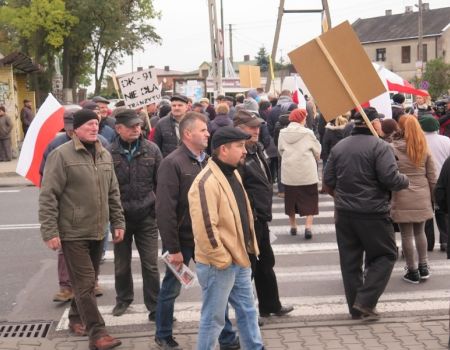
pixel 175 176
pixel 361 171
pixel 257 182
pixel 136 162
pixel 26 116
pixel 167 131
pixel 6 127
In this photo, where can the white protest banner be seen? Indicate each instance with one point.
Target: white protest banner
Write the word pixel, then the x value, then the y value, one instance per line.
pixel 140 88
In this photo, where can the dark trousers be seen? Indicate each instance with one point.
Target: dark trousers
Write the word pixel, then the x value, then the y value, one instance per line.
pixel 5 150
pixel 145 234
pixel 83 261
pixel 280 185
pixel 273 167
pixel 63 274
pixel 263 273
pixel 170 290
pixel 441 222
pixel 374 235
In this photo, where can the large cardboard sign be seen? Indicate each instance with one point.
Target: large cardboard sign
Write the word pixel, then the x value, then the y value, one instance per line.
pixel 249 76
pixel 337 71
pixel 139 88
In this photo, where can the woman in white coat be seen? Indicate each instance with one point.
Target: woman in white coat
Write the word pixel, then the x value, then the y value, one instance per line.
pixel 299 150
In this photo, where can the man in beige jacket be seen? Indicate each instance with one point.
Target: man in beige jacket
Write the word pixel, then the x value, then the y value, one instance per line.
pixel 222 224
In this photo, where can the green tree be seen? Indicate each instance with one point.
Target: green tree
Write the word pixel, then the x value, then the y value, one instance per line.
pixel 262 59
pixel 437 73
pixel 108 30
pixel 37 28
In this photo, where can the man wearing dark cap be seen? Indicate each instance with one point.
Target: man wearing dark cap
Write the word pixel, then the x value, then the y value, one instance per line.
pixel 167 131
pixel 257 182
pixel 222 223
pixel 65 292
pixel 136 162
pixel 26 116
pixel 175 177
pixel 79 194
pixel 361 172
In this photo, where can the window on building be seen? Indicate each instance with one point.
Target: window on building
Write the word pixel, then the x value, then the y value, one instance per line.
pixel 381 55
pixel 406 54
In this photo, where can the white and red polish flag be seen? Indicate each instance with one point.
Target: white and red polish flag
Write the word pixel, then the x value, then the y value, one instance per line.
pixel 43 129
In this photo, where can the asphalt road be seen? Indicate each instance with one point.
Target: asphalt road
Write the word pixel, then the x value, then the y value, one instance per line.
pixel 308 274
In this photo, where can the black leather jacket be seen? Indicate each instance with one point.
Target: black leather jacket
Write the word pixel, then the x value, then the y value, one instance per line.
pixel 362 170
pixel 136 177
pixel 165 136
pixel 257 182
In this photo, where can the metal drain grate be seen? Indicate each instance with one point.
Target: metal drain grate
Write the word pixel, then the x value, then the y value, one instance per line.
pixel 24 330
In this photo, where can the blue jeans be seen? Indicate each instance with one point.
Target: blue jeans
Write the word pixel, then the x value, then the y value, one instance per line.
pixel 219 287
pixel 170 289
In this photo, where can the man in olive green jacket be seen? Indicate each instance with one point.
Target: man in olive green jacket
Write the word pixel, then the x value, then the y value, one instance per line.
pixel 79 195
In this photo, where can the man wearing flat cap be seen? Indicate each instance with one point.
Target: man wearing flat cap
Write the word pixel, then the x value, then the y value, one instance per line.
pixel 136 162
pixel 257 182
pixel 222 223
pixel 104 111
pixel 361 172
pixel 167 131
pixel 79 194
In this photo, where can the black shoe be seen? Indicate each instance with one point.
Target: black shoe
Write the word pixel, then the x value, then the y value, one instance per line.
pixel 308 233
pixel 260 322
pixel 233 346
pixel 412 276
pixel 120 308
pixel 167 343
pixel 293 231
pixel 443 247
pixel 152 316
pixel 424 271
pixel 367 313
pixel 284 310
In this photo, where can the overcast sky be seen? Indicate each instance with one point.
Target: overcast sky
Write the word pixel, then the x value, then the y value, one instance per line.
pixel 184 28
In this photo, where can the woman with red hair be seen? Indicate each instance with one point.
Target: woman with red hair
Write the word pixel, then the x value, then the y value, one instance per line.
pixel 299 150
pixel 411 207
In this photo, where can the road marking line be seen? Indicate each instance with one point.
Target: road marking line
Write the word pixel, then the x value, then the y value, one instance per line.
pixel 19 227
pixel 331 305
pixel 278 249
pixel 9 191
pixel 296 274
pixel 322 214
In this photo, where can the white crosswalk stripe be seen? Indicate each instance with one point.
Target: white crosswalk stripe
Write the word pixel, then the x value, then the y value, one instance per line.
pixel 332 305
